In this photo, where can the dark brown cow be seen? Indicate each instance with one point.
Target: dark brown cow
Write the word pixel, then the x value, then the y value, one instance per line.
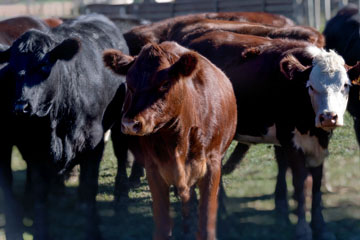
pixel 159 31
pixel 268 19
pixel 184 31
pixel 278 84
pixel 12 28
pixel 185 109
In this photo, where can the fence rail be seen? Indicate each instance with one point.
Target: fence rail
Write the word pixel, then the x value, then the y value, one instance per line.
pixel 159 11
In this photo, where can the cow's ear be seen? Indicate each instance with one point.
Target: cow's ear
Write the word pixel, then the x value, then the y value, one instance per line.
pixel 64 51
pixel 185 66
pixel 4 56
pixel 354 73
pixel 117 61
pixel 292 69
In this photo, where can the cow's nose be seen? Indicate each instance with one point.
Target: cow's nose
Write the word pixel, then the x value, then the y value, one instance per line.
pixel 129 126
pixel 22 108
pixel 328 119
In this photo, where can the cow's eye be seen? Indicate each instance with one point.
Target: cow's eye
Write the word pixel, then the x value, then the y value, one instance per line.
pixel 130 90
pixel 346 85
pixel 165 86
pixel 311 88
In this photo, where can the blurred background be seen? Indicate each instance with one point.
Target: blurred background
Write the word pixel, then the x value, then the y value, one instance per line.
pixel 305 12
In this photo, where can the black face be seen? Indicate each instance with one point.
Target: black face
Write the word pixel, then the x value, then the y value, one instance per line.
pixel 31 60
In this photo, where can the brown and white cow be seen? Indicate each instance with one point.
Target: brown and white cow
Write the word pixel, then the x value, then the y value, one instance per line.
pixel 289 93
pixel 184 109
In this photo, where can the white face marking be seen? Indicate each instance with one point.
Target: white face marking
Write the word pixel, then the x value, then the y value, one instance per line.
pixel 328 87
pixel 269 138
pixel 315 154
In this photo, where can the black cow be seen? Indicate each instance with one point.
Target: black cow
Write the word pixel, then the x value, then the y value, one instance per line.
pixel 10 30
pixel 342 34
pixel 63 98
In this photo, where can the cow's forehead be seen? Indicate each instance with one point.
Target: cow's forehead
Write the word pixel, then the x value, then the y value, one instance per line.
pixel 328 71
pixel 30 48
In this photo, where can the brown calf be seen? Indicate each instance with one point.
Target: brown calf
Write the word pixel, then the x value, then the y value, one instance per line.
pixel 185 109
pixel 158 32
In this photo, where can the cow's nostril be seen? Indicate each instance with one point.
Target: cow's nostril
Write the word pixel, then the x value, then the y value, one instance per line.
pixel 22 108
pixel 137 126
pixel 322 118
pixel 335 117
pixel 26 108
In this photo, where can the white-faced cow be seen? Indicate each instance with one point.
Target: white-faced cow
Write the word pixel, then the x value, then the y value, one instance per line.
pixel 289 93
pixel 63 99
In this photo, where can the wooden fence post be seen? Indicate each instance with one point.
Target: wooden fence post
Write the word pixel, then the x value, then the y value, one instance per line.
pixel 317 14
pixel 328 9
pixel 310 4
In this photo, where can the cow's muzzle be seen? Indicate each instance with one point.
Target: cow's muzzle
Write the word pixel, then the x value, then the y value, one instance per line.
pixel 130 126
pixel 22 108
pixel 329 121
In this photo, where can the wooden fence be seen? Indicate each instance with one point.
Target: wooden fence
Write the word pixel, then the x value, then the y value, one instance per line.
pixel 305 12
pixel 159 11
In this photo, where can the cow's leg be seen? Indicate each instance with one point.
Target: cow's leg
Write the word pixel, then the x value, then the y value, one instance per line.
pixel 299 172
pixel 209 187
pixel 88 188
pixel 281 201
pixel 357 128
pixel 161 203
pixel 28 183
pixel 235 158
pixel 13 228
pixel 40 179
pixel 137 171
pixel 317 219
pixel 189 214
pixel 120 145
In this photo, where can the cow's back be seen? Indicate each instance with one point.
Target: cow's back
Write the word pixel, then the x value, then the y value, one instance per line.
pixel 258 87
pixel 12 28
pixel 342 34
pixel 95 33
pixel 158 32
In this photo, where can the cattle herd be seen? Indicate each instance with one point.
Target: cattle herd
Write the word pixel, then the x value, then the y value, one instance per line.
pixel 175 93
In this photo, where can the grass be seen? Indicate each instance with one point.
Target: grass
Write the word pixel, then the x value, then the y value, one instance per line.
pixel 249 204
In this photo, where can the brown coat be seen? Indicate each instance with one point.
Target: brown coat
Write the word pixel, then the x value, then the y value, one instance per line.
pixel 185 110
pixel 159 31
pixel 184 31
pixel 12 28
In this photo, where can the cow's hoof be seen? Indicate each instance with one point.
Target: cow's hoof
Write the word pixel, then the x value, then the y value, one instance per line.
pixel 282 212
pixel 325 235
pixel 303 231
pixel 94 236
pixel 14 236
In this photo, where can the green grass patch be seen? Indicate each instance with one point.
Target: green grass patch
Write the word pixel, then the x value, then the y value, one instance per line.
pixel 249 204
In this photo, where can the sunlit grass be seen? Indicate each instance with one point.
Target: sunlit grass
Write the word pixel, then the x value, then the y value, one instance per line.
pixel 249 204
